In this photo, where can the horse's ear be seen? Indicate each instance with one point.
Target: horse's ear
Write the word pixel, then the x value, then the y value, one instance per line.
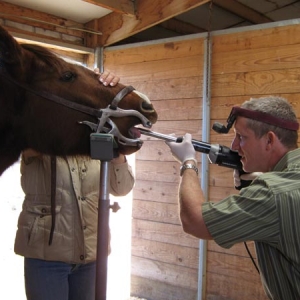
pixel 10 50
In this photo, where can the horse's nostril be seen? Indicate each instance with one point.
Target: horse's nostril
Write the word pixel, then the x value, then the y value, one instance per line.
pixel 147 106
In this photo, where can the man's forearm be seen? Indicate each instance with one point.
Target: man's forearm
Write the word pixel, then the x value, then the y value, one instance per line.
pixel 191 199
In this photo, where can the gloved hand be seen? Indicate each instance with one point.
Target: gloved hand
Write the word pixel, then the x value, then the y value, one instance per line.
pixel 183 151
pixel 237 178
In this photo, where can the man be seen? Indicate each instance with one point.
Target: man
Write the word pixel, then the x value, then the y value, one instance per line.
pixel 266 212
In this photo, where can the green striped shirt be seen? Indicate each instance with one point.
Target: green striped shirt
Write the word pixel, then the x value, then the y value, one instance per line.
pixel 268 213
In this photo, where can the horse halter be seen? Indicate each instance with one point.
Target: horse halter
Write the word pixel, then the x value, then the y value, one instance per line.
pixel 114 111
pixel 103 115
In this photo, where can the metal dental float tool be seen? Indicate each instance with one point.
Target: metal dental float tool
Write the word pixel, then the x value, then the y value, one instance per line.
pixel 217 154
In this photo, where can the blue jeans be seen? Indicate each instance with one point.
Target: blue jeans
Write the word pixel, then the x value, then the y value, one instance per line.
pixel 52 280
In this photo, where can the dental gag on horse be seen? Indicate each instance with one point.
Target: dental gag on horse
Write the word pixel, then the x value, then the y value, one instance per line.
pixel 53 106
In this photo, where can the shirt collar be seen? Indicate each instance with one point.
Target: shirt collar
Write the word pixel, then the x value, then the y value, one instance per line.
pixel 287 159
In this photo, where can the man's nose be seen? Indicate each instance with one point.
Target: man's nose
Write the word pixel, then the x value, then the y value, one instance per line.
pixel 235 144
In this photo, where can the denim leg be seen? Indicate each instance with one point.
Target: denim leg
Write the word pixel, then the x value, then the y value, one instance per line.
pixel 52 280
pixel 82 282
pixel 46 280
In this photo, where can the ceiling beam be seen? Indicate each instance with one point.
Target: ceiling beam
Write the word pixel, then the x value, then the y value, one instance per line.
pixel 243 11
pixel 119 6
pixel 116 27
pixel 23 15
pixel 181 27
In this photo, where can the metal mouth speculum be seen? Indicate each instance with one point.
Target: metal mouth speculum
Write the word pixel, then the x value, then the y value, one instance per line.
pixel 117 113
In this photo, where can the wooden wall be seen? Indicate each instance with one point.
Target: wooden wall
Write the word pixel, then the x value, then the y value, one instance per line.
pixel 164 259
pixel 252 63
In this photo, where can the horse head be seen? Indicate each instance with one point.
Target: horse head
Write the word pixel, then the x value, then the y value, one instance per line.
pixel 33 81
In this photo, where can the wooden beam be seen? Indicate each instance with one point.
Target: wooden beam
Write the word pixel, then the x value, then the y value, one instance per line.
pixel 38 19
pixel 243 11
pixel 116 27
pixel 118 6
pixel 181 27
pixel 48 43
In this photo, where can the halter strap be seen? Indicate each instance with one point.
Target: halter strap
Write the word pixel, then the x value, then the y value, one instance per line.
pixel 125 91
pixel 53 196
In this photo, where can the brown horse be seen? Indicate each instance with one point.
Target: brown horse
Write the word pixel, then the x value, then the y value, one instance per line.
pixel 34 82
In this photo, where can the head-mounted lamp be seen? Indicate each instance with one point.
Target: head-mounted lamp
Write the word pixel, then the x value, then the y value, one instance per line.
pixel 254 115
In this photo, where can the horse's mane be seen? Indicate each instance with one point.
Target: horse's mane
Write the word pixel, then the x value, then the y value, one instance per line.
pixel 44 55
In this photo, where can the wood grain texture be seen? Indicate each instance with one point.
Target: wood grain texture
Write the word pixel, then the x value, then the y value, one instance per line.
pixel 163 52
pixel 257 39
pixel 162 232
pixel 154 289
pixel 116 27
pixel 164 252
pixel 168 273
pixel 38 19
pixel 163 192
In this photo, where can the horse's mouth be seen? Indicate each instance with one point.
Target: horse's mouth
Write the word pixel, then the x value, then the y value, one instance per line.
pixel 134 133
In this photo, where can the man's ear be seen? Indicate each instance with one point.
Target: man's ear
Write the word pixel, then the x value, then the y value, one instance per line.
pixel 270 139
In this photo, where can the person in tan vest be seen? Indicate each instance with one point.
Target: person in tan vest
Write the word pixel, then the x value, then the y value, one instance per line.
pixel 64 270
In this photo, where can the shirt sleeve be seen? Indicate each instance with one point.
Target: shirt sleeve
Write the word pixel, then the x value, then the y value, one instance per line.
pixel 251 215
pixel 121 179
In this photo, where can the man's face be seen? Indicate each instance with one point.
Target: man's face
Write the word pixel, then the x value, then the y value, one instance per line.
pixel 252 149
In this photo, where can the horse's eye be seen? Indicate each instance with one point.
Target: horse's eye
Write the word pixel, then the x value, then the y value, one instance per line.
pixel 68 76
